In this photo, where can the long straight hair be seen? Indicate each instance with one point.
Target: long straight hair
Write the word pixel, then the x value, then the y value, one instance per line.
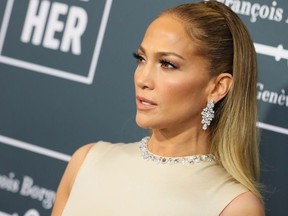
pixel 224 41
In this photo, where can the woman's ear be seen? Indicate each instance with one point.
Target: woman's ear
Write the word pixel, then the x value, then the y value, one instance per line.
pixel 221 85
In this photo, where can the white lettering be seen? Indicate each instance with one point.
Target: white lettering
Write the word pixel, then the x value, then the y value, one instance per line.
pixel 236 6
pixel 75 27
pixel 38 193
pixel 281 99
pixel 228 2
pixel 264 12
pixel 254 12
pixel 32 212
pixel 54 25
pixel 35 21
pixel 278 14
pixel 58 34
pixel 265 96
pixel 272 12
pixel 9 183
pixel 271 96
pixel 259 93
pixel 247 8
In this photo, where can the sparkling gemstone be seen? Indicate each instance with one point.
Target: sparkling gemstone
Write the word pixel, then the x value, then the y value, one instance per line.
pixel 172 160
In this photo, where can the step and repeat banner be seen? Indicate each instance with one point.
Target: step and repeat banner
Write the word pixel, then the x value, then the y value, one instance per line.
pixel 66 79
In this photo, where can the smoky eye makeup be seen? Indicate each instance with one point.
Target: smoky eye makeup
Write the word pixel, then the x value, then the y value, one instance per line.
pixel 167 64
pixel 138 57
pixel 164 62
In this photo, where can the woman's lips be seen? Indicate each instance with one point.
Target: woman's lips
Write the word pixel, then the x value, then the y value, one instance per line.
pixel 144 104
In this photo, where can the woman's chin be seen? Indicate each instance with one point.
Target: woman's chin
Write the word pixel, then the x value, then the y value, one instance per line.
pixel 144 122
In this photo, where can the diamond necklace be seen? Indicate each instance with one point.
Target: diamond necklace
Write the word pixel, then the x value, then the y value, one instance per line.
pixel 146 154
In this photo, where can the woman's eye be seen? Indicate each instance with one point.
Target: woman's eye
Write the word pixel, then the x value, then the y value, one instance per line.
pixel 167 64
pixel 138 57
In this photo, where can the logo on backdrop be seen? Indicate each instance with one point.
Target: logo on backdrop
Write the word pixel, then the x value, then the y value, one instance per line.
pixel 28 189
pixel 61 38
pixel 271 97
pixel 257 11
pixel 30 212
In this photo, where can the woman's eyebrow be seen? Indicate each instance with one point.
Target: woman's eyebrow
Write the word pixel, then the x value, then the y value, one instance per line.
pixel 163 53
pixel 170 53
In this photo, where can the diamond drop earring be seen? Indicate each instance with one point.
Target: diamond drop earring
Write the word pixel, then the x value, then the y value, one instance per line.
pixel 207 115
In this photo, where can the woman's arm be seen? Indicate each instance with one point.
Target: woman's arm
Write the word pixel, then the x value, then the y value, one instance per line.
pixel 245 204
pixel 68 179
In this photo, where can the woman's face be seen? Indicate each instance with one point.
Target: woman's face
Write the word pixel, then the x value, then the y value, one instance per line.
pixel 171 79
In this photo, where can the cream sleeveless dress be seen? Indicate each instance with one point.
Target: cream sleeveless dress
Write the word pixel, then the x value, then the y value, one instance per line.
pixel 114 180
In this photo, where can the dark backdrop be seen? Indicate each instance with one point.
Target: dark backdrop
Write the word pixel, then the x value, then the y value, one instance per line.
pixel 66 79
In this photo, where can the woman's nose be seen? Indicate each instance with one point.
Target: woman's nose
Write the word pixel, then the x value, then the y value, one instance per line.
pixel 143 77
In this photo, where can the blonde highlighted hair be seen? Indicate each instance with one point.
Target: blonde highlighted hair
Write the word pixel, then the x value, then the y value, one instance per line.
pixel 225 42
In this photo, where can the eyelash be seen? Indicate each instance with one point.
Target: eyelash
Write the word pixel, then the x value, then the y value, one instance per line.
pixel 138 57
pixel 167 64
pixel 164 63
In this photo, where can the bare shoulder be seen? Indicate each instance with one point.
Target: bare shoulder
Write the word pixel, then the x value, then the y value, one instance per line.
pixel 245 204
pixel 79 156
pixel 68 178
pixel 75 163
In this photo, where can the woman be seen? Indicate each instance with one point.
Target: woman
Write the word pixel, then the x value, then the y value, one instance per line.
pixel 196 64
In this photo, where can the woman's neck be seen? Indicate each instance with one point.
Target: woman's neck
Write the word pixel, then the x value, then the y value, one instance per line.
pixel 164 143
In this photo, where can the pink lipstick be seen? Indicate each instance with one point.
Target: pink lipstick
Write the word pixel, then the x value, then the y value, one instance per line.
pixel 144 104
